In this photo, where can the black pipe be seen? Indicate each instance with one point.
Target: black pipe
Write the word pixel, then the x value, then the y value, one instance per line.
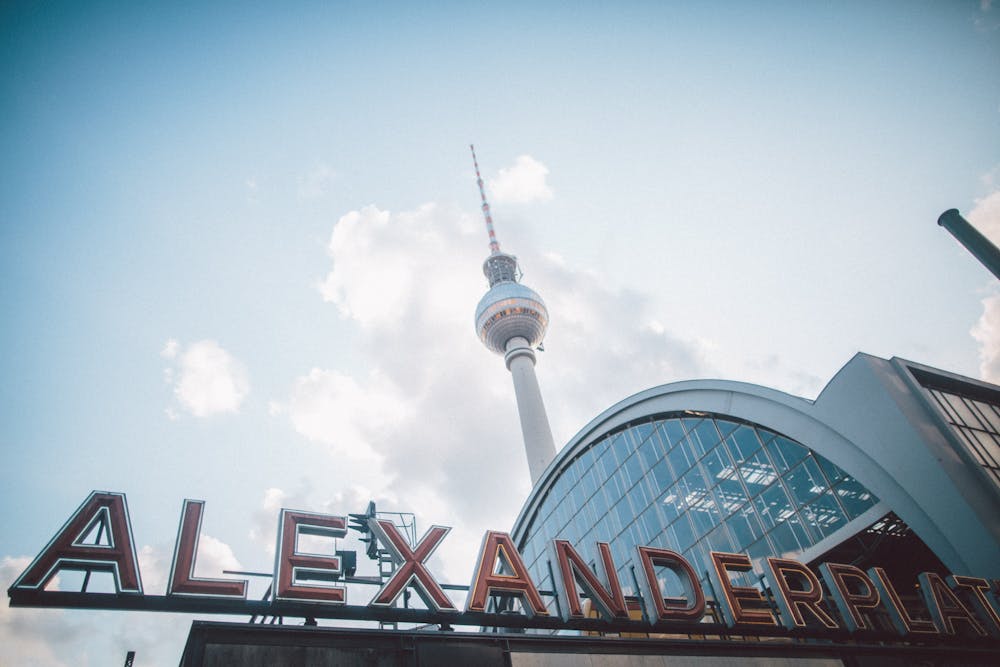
pixel 980 247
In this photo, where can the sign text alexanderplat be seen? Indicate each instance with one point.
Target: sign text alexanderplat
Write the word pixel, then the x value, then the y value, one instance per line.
pixel 310 585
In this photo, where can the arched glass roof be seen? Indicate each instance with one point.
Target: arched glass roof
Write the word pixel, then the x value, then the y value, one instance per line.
pixel 694 483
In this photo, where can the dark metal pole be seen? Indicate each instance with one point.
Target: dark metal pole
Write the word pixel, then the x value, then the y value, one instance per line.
pixel 980 247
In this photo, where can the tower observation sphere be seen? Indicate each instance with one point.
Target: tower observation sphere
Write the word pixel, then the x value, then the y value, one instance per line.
pixel 511 320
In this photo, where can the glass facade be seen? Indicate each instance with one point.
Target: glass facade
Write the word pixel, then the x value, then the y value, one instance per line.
pixel 693 483
pixel 976 419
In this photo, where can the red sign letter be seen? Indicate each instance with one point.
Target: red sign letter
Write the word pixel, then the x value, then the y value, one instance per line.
pixel 850 602
pixel 791 601
pixel 610 601
pixel 945 606
pixel 410 566
pixel 734 597
pixel 107 514
pixel 659 608
pixel 485 581
pixel 291 566
pixel 182 580
pixel 901 619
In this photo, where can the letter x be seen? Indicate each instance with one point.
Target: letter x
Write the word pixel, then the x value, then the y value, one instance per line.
pixel 410 568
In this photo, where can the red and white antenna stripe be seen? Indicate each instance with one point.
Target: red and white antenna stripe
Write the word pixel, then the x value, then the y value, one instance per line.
pixel 494 244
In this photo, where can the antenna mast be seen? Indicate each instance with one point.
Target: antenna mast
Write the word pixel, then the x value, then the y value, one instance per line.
pixel 494 244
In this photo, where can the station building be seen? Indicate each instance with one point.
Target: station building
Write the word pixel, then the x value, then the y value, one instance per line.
pixel 895 464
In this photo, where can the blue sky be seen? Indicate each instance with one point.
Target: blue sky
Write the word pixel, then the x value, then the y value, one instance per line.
pixel 738 191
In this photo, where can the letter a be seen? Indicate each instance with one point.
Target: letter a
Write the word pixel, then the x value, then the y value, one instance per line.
pixel 107 514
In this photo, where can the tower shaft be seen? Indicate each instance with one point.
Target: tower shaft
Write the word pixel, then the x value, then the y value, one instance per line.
pixel 538 444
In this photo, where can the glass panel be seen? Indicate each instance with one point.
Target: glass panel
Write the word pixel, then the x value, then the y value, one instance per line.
pixel 586 459
pixel 962 410
pixel 855 498
pixel 805 481
pixel 634 470
pixel 639 497
pixel 718 540
pixel 789 538
pixel 833 473
pixel 671 431
pixel 758 551
pixel 695 482
pixel 757 473
pixel 743 442
pixel 652 521
pixel 624 511
pixel 990 415
pixel 641 431
pixel 661 477
pixel 730 495
pixel 672 503
pixel 599 503
pixel 704 515
pixel 588 483
pixel 619 447
pixel 681 458
pixel 717 465
pixel 773 506
pixel 651 452
pixel 704 436
pixel 680 535
pixel 785 453
pixel 725 426
pixel 606 465
pixel 825 515
pixel 745 527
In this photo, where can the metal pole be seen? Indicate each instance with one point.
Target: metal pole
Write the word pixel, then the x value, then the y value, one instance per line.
pixel 980 247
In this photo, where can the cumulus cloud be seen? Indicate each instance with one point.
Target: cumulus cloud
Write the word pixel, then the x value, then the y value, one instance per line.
pixel 207 380
pixel 986 331
pixel 433 405
pixel 985 215
pixel 521 183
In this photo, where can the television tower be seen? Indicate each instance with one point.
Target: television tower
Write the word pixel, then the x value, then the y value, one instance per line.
pixel 511 320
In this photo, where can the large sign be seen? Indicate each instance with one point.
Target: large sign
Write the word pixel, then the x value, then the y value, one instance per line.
pixel 98 537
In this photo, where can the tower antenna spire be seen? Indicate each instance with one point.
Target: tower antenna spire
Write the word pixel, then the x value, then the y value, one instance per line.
pixel 494 244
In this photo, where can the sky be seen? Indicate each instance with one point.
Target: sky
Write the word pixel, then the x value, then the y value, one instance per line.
pixel 241 248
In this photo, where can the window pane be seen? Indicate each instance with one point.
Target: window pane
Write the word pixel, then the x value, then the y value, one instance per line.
pixel 743 442
pixel 681 458
pixel 855 498
pixel 757 473
pixel 672 432
pixel 805 481
pixel 773 506
pixel 745 527
pixel 785 453
pixel 704 437
pixel 825 515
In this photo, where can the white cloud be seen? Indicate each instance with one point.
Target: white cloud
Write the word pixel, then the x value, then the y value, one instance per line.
pixel 987 333
pixel 521 183
pixel 316 183
pixel 985 216
pixel 335 409
pixel 170 349
pixel 207 379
